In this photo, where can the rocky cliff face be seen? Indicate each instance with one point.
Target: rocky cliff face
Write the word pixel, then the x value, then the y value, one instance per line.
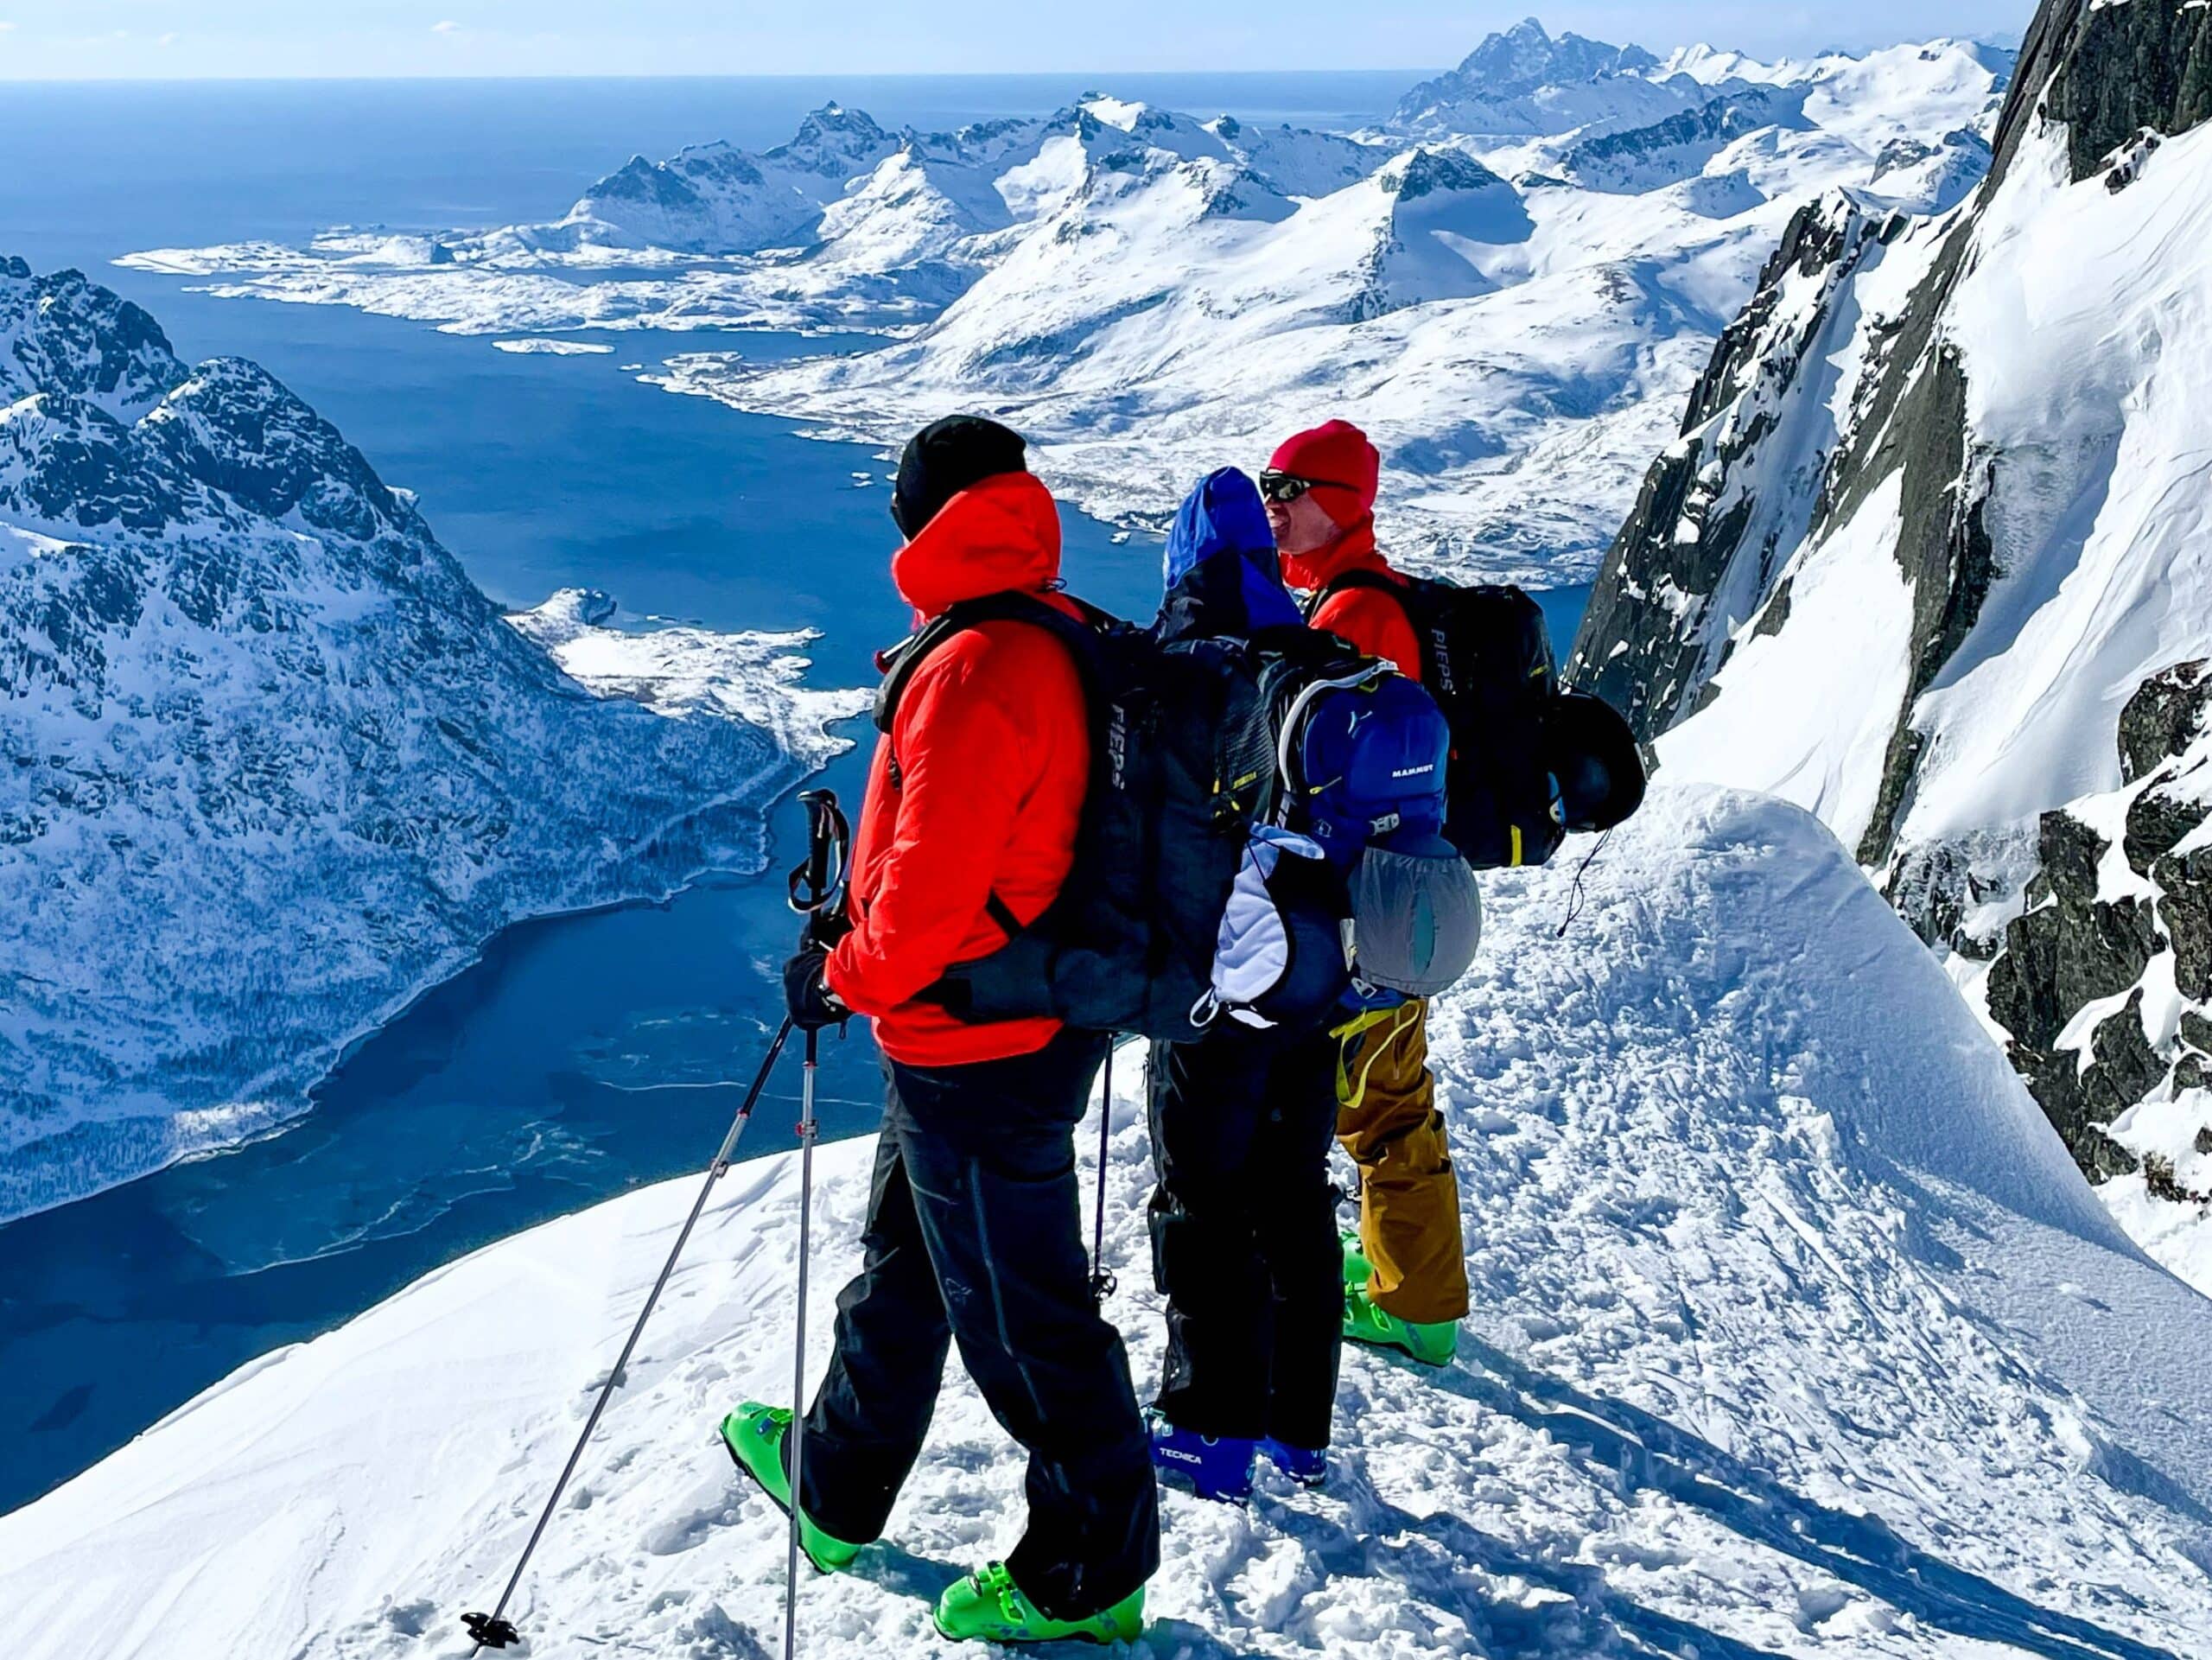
pixel 1926 557
pixel 269 762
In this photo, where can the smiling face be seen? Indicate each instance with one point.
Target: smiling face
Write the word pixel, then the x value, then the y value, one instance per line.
pixel 1300 526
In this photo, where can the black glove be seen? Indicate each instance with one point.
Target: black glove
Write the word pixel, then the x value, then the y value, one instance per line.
pixel 812 1003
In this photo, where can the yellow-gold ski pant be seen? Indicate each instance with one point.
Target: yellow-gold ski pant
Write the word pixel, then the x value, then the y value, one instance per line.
pixel 1387 1120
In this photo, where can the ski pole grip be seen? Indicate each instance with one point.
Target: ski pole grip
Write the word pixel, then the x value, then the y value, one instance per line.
pixel 827 836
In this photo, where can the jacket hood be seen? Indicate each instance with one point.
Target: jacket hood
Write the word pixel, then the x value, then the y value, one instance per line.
pixel 1222 573
pixel 999 534
pixel 1354 550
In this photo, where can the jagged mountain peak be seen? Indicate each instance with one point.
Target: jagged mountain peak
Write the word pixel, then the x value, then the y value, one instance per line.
pixel 64 333
pixel 832 136
pixel 1527 56
pixel 1524 81
pixel 1426 169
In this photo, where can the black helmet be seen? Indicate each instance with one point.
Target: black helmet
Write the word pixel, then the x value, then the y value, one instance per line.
pixel 1593 755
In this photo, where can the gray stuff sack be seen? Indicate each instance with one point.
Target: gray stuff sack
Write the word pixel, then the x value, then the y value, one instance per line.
pixel 1417 919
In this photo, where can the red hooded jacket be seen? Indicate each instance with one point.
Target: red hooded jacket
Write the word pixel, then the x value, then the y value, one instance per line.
pixel 992 749
pixel 1372 620
pixel 1344 468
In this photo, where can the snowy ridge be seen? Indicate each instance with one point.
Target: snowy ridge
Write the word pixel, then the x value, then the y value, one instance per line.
pixel 1148 294
pixel 270 764
pixel 1928 557
pixel 1795 1333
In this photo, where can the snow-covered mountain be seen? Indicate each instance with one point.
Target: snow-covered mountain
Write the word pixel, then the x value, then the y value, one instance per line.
pixel 1795 1333
pixel 718 199
pixel 1522 82
pixel 1514 323
pixel 1514 308
pixel 1929 556
pixel 268 762
pixel 846 224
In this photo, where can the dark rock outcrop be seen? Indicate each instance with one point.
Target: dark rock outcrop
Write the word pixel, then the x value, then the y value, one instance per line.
pixel 1706 562
pixel 1689 534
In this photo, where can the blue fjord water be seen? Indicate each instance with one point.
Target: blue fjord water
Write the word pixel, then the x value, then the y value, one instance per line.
pixel 581 1055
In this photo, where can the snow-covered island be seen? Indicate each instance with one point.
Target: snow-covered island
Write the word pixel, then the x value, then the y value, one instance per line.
pixel 270 764
pixel 1514 284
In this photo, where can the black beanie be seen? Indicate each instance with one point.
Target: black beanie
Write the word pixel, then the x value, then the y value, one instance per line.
pixel 943 459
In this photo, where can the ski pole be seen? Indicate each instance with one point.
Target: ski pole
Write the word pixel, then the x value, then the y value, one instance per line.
pixel 495 1630
pixel 823 873
pixel 799 1345
pixel 1102 1277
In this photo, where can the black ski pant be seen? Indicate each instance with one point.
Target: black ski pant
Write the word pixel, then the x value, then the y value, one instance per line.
pixel 1244 1239
pixel 974 1237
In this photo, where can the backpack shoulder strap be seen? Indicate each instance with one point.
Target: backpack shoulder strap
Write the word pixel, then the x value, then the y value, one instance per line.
pixel 1403 592
pixel 903 661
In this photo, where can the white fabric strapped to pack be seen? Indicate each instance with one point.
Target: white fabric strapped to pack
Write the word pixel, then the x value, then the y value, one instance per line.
pixel 1252 953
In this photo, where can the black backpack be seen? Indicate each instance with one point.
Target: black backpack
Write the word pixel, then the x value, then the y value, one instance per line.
pixel 1486 658
pixel 1183 766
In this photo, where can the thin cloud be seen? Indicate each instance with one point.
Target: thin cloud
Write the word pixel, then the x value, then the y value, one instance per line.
pixel 449 27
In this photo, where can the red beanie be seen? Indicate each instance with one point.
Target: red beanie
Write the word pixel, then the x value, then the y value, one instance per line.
pixel 1338 462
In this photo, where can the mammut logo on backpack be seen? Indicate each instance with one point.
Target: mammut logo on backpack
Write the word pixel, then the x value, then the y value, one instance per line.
pixel 1411 772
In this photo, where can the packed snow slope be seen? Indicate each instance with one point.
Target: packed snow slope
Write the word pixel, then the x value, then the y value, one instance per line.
pixel 269 763
pixel 1930 558
pixel 1513 286
pixel 1795 1331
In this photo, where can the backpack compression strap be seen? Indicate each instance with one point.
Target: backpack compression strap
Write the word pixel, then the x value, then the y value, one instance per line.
pixel 905 660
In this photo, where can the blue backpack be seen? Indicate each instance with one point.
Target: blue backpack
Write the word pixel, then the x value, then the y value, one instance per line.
pixel 1367 769
pixel 1371 763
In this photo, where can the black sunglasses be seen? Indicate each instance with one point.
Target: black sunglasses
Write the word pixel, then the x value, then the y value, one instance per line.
pixel 1287 488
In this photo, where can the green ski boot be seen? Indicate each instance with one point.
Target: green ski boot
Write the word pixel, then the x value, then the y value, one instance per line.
pixel 1432 1346
pixel 989 1607
pixel 754 1434
pixel 1357 1268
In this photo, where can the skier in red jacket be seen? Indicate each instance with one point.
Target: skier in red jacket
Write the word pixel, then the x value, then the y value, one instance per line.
pixel 973 1232
pixel 1320 488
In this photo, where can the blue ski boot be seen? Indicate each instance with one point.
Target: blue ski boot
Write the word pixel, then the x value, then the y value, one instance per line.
pixel 1217 1467
pixel 1306 1465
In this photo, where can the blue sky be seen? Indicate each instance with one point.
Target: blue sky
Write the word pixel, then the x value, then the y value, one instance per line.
pixel 80 39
